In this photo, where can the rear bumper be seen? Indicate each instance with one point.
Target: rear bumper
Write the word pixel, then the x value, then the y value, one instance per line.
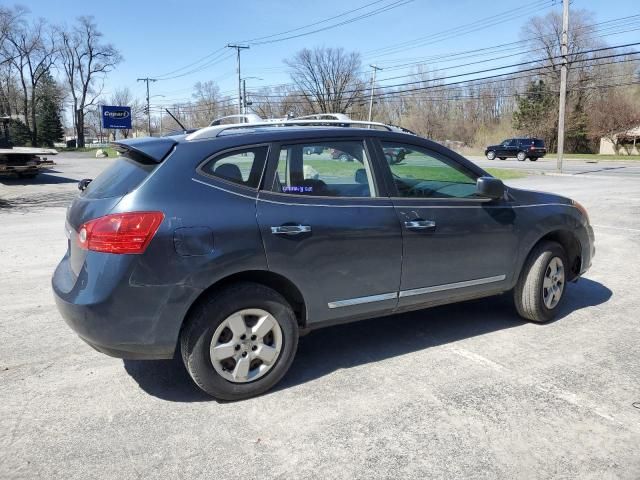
pixel 114 313
pixel 102 334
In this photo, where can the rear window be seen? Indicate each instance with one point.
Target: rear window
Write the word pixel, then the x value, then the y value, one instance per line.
pixel 538 143
pixel 121 177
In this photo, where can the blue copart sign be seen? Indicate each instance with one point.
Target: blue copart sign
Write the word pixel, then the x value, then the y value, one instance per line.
pixel 116 117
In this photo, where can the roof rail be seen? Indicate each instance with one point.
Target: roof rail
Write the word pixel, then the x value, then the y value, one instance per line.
pixel 325 116
pixel 215 131
pixel 243 118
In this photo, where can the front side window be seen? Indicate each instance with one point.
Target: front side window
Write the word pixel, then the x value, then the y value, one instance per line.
pixel 243 167
pixel 327 169
pixel 421 173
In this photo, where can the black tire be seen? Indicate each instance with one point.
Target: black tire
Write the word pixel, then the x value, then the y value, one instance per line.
pixel 528 293
pixel 521 156
pixel 345 158
pixel 503 158
pixel 491 155
pixel 195 339
pixel 533 159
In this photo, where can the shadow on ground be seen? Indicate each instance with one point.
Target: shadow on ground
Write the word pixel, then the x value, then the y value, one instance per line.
pixel 38 201
pixel 40 179
pixel 371 341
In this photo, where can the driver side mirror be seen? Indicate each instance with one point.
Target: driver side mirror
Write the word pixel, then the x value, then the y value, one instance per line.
pixel 490 187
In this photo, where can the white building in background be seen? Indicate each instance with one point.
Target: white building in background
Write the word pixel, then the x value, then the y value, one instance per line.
pixel 624 143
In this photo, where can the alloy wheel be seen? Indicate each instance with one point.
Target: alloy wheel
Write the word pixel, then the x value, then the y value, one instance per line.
pixel 246 345
pixel 553 283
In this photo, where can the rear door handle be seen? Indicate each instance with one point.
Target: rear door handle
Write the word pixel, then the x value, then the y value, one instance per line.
pixel 420 224
pixel 290 229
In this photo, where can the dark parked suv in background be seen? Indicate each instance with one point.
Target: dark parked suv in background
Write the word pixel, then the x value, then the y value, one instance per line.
pixel 222 244
pixel 520 148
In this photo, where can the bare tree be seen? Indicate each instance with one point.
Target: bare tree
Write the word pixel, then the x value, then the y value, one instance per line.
pixel 207 103
pixel 34 53
pixel 614 113
pixel 327 78
pixel 10 19
pixel 280 102
pixel 86 61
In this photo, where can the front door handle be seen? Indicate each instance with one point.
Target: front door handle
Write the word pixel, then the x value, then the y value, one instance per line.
pixel 290 229
pixel 420 224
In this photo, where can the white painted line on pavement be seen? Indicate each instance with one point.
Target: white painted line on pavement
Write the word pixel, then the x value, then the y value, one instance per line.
pixel 618 228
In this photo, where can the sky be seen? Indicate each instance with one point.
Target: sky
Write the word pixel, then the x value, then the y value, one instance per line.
pixel 157 37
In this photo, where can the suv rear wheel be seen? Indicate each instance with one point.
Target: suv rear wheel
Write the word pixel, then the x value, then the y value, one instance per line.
pixel 521 156
pixel 541 286
pixel 240 341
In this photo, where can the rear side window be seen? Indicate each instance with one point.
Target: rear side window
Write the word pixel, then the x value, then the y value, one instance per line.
pixel 538 143
pixel 243 167
pixel 121 177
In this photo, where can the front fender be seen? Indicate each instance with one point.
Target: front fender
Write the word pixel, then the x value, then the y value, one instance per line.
pixel 536 222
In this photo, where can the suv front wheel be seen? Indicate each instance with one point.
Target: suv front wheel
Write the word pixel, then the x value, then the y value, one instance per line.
pixel 491 155
pixel 521 156
pixel 240 341
pixel 542 283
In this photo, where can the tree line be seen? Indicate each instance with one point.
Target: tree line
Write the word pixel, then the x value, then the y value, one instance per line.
pixel 33 53
pixel 603 93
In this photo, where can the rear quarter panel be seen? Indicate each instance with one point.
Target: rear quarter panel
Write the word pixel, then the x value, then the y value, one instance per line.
pixel 190 200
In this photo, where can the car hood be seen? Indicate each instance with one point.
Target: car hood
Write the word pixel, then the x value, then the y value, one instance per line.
pixel 525 197
pixel 492 147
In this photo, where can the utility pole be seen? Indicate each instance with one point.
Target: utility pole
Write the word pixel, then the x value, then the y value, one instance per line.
pixel 564 50
pixel 147 79
pixel 244 96
pixel 373 86
pixel 238 48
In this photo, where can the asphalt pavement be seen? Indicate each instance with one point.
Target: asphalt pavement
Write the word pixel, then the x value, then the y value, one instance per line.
pixel 461 391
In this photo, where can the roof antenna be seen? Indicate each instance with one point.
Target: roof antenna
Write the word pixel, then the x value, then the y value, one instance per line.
pixel 177 121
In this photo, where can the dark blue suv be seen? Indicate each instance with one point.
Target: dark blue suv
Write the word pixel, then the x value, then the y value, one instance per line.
pixel 230 242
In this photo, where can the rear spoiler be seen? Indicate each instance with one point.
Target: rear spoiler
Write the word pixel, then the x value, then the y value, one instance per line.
pixel 153 149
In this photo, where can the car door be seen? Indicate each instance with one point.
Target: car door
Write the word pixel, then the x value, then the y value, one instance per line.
pixel 511 148
pixel 501 150
pixel 326 229
pixel 455 243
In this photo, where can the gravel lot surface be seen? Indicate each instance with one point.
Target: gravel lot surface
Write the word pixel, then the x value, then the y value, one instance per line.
pixel 463 391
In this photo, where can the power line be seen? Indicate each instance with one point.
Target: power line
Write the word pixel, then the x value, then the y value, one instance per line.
pixel 270 38
pixel 214 61
pixel 251 40
pixel 502 67
pixel 192 63
pixel 391 6
pixel 451 56
pixel 474 26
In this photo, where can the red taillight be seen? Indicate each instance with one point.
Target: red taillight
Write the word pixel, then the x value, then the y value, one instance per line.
pixel 532 147
pixel 120 232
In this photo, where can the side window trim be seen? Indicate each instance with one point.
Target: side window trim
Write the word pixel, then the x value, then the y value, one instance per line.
pixel 262 165
pixel 274 157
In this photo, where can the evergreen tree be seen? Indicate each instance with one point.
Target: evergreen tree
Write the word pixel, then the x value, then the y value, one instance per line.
pixel 19 133
pixel 536 114
pixel 50 128
pixel 577 129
